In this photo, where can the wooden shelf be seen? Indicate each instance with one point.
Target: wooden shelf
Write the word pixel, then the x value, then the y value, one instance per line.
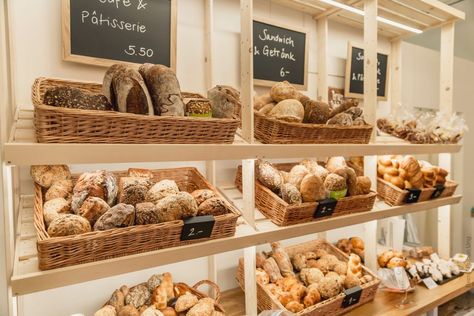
pixel 384 303
pixel 22 149
pixel 419 14
pixel 27 278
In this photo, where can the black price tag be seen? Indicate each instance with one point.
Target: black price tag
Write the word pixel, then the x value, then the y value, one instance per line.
pixel 325 208
pixel 352 296
pixel 197 227
pixel 439 188
pixel 413 195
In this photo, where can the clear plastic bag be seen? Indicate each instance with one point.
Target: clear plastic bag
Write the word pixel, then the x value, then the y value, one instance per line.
pixel 276 313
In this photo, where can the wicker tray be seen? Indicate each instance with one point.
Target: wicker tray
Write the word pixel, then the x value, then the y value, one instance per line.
pixel 99 245
pixel 329 307
pixel 272 131
pixel 63 125
pixel 284 214
pixel 393 195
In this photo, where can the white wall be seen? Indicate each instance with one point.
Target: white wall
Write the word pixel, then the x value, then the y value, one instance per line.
pixel 37 52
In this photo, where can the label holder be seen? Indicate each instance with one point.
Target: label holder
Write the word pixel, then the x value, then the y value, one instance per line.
pixel 325 208
pixel 197 227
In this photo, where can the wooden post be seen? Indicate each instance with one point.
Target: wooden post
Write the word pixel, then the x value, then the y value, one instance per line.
pixel 250 282
pixel 322 41
pixel 246 68
pixel 396 75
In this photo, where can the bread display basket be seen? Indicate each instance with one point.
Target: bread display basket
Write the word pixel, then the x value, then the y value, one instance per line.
pixel 57 252
pixel 332 306
pixel 273 131
pixel 283 214
pixel 65 125
pixel 393 195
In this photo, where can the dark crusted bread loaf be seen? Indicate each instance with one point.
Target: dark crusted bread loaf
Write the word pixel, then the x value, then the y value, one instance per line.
pixel 131 93
pixel 107 86
pixel 121 215
pixel 101 184
pixel 225 101
pixel 132 190
pixel 75 98
pixel 164 89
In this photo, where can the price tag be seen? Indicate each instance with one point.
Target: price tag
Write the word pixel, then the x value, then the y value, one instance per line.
pixel 352 296
pixel 325 208
pixel 439 188
pixel 430 283
pixel 413 195
pixel 413 272
pixel 197 227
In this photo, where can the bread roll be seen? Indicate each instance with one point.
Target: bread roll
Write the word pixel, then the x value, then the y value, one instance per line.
pixel 54 208
pixel 74 98
pixel 68 224
pixel 107 310
pixel 145 213
pixel 329 287
pixel 132 190
pixel 185 302
pixel 290 194
pixel 261 276
pixel 283 91
pixel 351 281
pixel 204 307
pixel 342 119
pixel 138 296
pixel 268 175
pixel 121 215
pixel 214 206
pixel 46 175
pixel 267 108
pixel 363 185
pixel 101 184
pixel 334 163
pixel 225 101
pixel 335 182
pixel 160 190
pixel 128 310
pixel 117 300
pixel 176 207
pixel 297 173
pixel 312 297
pixel 202 195
pixel 312 188
pixel 354 265
pixel 164 89
pixel 93 208
pixel 152 311
pixel 262 100
pixel 290 110
pixel 59 189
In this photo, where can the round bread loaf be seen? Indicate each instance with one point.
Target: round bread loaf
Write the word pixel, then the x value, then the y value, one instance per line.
pixel 312 188
pixel 59 189
pixel 93 208
pixel 161 190
pixel 290 194
pixel 46 175
pixel 121 215
pixel 261 100
pixel 297 173
pixel 132 190
pixel 54 208
pixel 268 175
pixel 138 295
pixel 267 108
pixel 68 224
pixel 214 206
pixel 202 195
pixel 176 206
pixel 145 213
pixel 101 184
pixel 335 182
pixel 290 110
pixel 282 91
pixel 316 112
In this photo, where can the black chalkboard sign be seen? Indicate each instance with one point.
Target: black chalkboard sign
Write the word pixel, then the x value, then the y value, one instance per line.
pixel 279 54
pixel 412 196
pixel 325 208
pixel 197 227
pixel 352 296
pixel 355 73
pixel 103 32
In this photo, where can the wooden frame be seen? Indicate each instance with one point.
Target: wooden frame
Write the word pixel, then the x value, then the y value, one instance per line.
pixel 348 94
pixel 104 62
pixel 269 83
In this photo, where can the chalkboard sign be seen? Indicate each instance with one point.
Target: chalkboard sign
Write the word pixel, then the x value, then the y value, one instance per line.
pixel 279 54
pixel 197 227
pixel 355 73
pixel 102 32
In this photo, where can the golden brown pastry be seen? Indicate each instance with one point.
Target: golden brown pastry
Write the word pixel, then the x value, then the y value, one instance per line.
pixel 59 189
pixel 354 265
pixel 312 188
pixel 286 283
pixel 396 262
pixel 386 256
pixel 312 297
pixel 413 170
pixel 284 297
pixel 271 268
pixel 262 276
pixel 282 91
pixel 282 259
pixel 294 306
pixel 351 281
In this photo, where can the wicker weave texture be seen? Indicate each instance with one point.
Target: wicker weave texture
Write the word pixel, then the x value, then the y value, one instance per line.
pixel 272 131
pixel 63 125
pixel 284 214
pixel 332 306
pixel 99 245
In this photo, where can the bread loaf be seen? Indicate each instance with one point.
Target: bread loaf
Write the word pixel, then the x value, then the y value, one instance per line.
pixel 138 296
pixel 121 215
pixel 214 206
pixel 225 101
pixel 131 93
pixel 68 224
pixel 262 100
pixel 107 310
pixel 297 173
pixel 176 207
pixel 283 91
pixel 312 188
pixel 59 189
pixel 271 268
pixel 142 173
pixel 198 107
pixel 93 208
pixel 132 190
pixel 202 195
pixel 290 194
pixel 413 172
pixel 74 98
pixel 145 213
pixel 336 162
pixel 46 175
pixel 185 302
pixel 107 83
pixel 204 307
pixel 54 208
pixel 161 190
pixel 101 184
pixel 268 175
pixel 290 110
pixel 282 259
pixel 316 112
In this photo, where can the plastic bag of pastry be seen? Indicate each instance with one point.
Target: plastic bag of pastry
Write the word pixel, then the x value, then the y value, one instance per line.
pixel 395 279
pixel 276 313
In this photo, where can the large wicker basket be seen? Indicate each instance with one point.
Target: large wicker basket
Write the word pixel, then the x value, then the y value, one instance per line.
pixel 284 214
pixel 329 307
pixel 273 131
pixel 99 245
pixel 64 125
pixel 393 195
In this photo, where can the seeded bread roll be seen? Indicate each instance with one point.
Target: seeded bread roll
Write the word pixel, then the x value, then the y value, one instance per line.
pixel 202 195
pixel 198 107
pixel 93 208
pixel 290 194
pixel 74 98
pixel 225 101
pixel 46 175
pixel 142 173
pixel 68 224
pixel 268 175
pixel 138 295
pixel 131 93
pixel 121 215
pixel 161 190
pixel 146 214
pixel 101 184
pixel 132 190
pixel 54 208
pixel 164 89
pixel 176 206
pixel 213 206
pixel 59 189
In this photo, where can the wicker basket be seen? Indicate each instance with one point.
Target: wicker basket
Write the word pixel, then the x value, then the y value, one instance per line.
pixel 99 245
pixel 329 307
pixel 284 214
pixel 64 125
pixel 393 195
pixel 272 131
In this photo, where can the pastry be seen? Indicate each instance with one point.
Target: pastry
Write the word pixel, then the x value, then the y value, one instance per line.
pixel 52 209
pixel 312 188
pixel 342 119
pixel 261 276
pixel 396 262
pixel 286 283
pixel 268 175
pixel 202 195
pixel 168 311
pixel 138 172
pixel 285 298
pixel 312 297
pixel 316 112
pixel 145 213
pixel 128 310
pixel 130 92
pixel 282 91
pixel 107 310
pixel 225 101
pixel 289 110
pixel 198 107
pixel 290 194
pixel 164 89
pixel 351 281
pixel 204 307
pixel 294 306
pixel 282 259
pixel 358 246
pixel 74 98
pixel 138 296
pixel 132 190
pixel 59 189
pixel 93 208
pixel 45 175
pixel 340 268
pixel 271 268
pixel 413 171
pixel 176 207
pixel 120 215
pixel 68 224
pixel 101 184
pixel 167 285
pixel 267 108
pixel 260 101
pixel 160 190
pixel 117 300
pixel 354 265
pixel 214 206
pixel 297 173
